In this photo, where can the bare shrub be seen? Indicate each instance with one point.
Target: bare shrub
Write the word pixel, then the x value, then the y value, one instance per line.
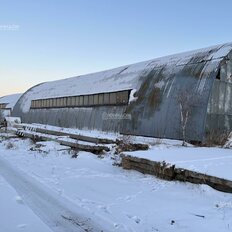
pixel 216 138
pixel 156 142
pixel 10 145
pixel 74 153
pixel 126 139
pixel 121 147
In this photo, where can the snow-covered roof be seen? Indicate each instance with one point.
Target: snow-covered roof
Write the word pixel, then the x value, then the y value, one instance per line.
pixel 10 100
pixel 122 78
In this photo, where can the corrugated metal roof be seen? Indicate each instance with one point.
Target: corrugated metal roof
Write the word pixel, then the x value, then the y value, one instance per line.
pixel 10 100
pixel 156 110
pixel 122 78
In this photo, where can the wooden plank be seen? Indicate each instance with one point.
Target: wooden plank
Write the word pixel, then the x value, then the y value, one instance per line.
pixel 96 149
pixel 170 172
pixel 71 135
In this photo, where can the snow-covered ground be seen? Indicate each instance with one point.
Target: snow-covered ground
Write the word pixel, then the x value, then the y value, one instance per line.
pixel 15 214
pixel 112 197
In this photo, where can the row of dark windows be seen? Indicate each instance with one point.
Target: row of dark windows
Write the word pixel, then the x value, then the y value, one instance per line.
pixel 3 105
pixel 114 98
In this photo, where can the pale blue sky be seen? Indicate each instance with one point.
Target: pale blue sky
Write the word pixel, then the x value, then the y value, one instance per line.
pixel 62 38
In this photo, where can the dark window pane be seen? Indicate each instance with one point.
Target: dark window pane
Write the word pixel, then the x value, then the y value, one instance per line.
pixel 77 101
pixel 95 99
pixel 113 98
pixel 90 100
pixel 81 100
pixel 69 101
pixel 86 100
pixel 73 101
pixel 100 99
pixel 122 97
pixel 106 99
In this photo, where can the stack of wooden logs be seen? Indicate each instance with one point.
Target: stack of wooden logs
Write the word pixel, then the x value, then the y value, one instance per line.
pixel 170 172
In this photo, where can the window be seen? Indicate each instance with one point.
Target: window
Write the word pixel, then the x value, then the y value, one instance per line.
pixel 47 103
pixel 86 100
pixel 90 100
pixel 73 101
pixel 32 104
pixel 43 103
pixel 122 97
pixel 106 99
pixel 81 100
pixel 62 102
pixel 112 98
pixel 101 99
pixel 54 102
pixel 3 105
pixel 69 101
pixel 50 102
pixel 95 99
pixel 77 101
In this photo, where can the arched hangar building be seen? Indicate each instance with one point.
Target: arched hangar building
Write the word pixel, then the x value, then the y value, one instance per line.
pixel 7 104
pixel 148 98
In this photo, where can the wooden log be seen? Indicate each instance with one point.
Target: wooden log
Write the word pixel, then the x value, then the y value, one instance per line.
pixel 70 135
pixel 122 146
pixel 170 172
pixel 218 183
pixel 96 149
pixel 159 169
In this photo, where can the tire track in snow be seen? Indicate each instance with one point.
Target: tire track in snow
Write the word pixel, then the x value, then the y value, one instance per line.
pixel 60 214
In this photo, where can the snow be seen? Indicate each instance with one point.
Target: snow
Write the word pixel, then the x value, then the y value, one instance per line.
pixel 124 200
pixel 11 121
pixel 11 100
pixel 118 79
pixel 132 96
pixel 15 215
pixel 55 210
pixel 221 52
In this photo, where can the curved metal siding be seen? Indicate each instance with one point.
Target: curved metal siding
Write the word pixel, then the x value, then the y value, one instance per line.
pixel 219 112
pixel 161 116
pixel 91 118
pixel 156 111
pixel 219 115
